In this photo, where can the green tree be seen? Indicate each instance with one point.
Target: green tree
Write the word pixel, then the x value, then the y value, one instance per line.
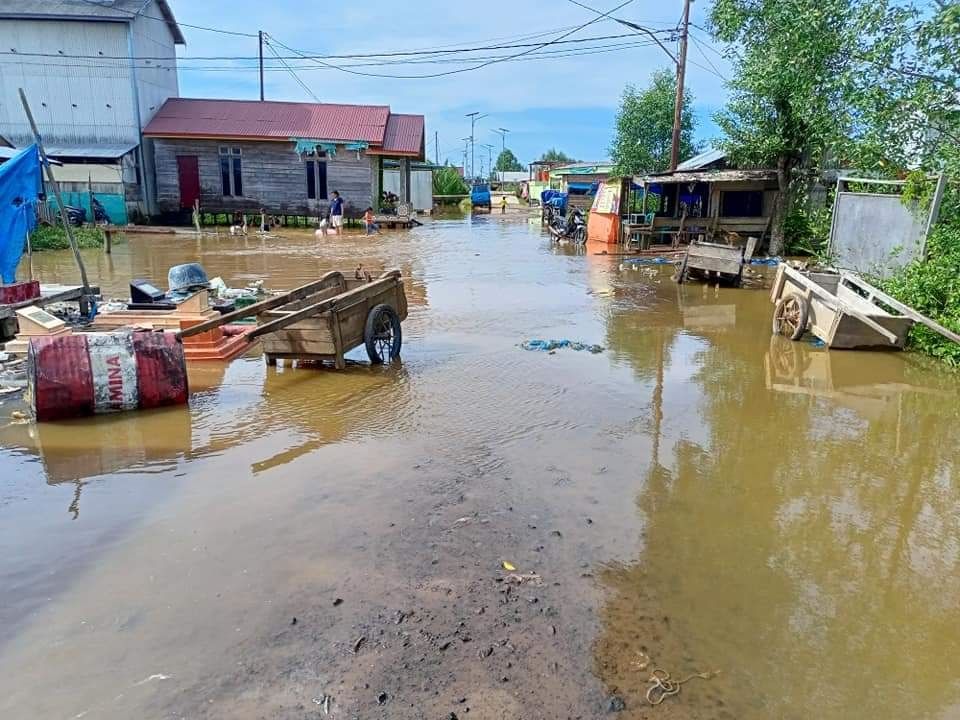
pixel 805 84
pixel 644 135
pixel 507 162
pixel 555 156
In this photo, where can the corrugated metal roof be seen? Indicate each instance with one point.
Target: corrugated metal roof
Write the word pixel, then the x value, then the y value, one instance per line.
pixel 702 160
pixel 194 117
pixel 403 135
pixel 107 10
pixel 108 151
pixel 711 176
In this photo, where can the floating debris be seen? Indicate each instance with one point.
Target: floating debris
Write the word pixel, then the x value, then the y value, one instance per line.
pixel 550 345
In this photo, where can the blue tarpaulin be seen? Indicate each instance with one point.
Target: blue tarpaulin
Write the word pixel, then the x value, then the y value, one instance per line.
pixel 19 188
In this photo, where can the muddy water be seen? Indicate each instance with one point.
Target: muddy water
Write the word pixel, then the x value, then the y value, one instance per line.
pixel 697 498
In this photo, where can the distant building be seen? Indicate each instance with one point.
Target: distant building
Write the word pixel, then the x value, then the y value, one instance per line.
pixel 284 157
pixel 504 176
pixel 90 97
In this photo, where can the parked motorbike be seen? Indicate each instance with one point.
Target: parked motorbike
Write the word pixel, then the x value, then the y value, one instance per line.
pixel 77 216
pixel 573 227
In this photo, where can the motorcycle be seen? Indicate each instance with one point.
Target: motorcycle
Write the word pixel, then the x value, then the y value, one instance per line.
pixel 573 227
pixel 77 216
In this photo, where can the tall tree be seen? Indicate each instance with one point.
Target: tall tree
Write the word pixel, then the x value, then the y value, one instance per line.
pixel 645 126
pixel 555 156
pixel 804 72
pixel 507 162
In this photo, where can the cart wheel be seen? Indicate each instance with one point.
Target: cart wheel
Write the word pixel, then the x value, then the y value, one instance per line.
pixel 382 335
pixel 790 317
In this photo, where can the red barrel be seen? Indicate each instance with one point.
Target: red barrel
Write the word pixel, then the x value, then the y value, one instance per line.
pixel 90 373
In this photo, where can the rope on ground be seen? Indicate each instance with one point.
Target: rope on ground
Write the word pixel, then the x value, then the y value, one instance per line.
pixel 663 686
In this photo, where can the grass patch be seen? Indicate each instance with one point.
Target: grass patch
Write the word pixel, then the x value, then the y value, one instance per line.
pixel 47 237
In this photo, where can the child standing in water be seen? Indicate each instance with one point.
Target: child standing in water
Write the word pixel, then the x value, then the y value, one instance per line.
pixel 368 221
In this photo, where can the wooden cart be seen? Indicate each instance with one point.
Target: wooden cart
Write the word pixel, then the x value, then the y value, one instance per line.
pixel 843 310
pixel 324 320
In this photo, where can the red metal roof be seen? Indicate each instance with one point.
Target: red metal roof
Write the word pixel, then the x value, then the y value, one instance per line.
pixel 403 136
pixel 189 117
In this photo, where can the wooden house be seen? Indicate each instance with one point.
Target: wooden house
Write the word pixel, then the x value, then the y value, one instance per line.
pixel 707 197
pixel 287 158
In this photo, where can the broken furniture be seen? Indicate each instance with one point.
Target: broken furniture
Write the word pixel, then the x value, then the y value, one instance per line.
pixel 711 261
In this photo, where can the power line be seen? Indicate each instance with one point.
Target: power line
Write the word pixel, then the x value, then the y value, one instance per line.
pixel 475 67
pixel 542 55
pixel 715 70
pixel 134 14
pixel 633 26
pixel 302 54
pixel 295 76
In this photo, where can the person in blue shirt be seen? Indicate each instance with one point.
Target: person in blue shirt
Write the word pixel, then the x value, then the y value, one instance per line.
pixel 336 213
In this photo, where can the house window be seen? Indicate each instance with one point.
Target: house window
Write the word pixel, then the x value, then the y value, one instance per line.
pixel 231 172
pixel 316 170
pixel 741 203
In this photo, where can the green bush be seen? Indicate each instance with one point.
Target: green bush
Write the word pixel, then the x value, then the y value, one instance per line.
pixel 447 181
pixel 807 232
pixel 47 237
pixel 932 287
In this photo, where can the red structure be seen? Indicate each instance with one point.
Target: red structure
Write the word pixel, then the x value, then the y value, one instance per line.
pixel 91 373
pixel 19 292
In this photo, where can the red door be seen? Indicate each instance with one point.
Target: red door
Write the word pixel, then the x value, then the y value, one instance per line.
pixel 188 172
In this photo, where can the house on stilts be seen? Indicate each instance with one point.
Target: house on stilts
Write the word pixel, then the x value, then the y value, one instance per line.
pixel 238 156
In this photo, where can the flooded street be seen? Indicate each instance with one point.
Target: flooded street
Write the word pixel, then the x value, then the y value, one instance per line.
pixel 699 497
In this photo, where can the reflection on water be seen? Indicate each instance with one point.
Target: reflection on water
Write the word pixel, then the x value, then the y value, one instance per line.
pixel 801 524
pixel 794 520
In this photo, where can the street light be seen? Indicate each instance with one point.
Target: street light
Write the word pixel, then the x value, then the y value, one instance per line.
pixel 489 159
pixel 474 116
pixel 502 132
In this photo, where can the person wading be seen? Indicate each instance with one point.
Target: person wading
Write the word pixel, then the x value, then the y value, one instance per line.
pixel 336 213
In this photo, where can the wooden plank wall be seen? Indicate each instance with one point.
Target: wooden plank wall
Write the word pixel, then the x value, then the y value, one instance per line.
pixel 274 177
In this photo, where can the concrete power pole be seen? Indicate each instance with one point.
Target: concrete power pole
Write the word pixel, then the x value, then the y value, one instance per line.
pixel 681 72
pixel 474 116
pixel 260 35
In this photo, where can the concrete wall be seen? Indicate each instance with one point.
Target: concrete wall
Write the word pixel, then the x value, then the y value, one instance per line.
pixel 73 100
pixel 274 177
pixel 875 234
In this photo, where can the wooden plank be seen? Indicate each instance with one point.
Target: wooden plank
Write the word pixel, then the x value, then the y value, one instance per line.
pixel 257 308
pixel 905 309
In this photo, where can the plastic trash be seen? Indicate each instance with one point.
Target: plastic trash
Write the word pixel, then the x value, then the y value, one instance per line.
pixel 551 345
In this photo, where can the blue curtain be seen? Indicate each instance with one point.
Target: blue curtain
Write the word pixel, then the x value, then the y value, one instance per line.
pixel 19 188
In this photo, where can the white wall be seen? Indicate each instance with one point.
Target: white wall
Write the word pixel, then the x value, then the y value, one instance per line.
pixel 421 187
pixel 73 100
pixel 156 80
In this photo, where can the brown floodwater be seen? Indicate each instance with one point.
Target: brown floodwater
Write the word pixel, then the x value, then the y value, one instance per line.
pixel 699 497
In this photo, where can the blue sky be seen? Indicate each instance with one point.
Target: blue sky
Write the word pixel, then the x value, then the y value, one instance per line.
pixel 563 102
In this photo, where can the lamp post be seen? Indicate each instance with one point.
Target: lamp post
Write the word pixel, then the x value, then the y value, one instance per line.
pixel 474 116
pixel 502 132
pixel 489 159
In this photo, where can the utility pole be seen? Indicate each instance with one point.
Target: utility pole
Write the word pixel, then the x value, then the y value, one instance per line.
pixel 502 132
pixel 260 35
pixel 678 102
pixel 489 159
pixel 436 147
pixel 466 149
pixel 474 116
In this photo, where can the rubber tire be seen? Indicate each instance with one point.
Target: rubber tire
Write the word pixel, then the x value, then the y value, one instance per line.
pixel 369 334
pixel 580 235
pixel 804 315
